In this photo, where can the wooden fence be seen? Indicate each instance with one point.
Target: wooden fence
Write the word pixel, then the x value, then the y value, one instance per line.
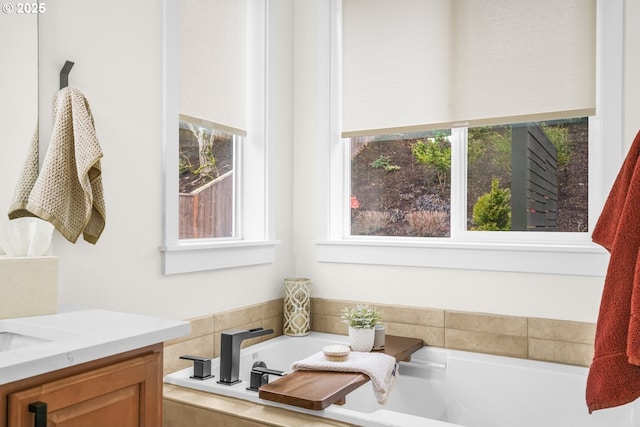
pixel 534 180
pixel 208 211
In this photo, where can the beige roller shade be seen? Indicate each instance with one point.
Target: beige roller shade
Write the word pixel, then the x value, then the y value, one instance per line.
pixel 213 41
pixel 431 64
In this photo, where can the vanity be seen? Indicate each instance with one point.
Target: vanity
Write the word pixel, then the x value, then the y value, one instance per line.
pixel 83 367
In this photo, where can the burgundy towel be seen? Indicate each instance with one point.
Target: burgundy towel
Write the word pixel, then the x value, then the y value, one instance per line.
pixel 614 375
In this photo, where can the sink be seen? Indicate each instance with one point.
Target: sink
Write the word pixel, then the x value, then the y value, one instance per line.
pixel 11 341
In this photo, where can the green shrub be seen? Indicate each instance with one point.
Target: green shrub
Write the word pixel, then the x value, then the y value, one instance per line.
pixel 434 153
pixel 559 137
pixel 492 211
pixel 384 162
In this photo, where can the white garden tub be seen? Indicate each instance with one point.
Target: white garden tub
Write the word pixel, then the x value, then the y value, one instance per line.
pixel 438 388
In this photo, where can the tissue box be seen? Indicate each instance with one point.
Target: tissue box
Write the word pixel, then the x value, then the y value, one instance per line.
pixel 28 286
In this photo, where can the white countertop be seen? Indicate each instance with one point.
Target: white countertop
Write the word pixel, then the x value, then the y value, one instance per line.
pixel 80 336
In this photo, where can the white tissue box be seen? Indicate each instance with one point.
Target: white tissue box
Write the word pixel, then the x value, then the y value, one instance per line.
pixel 28 286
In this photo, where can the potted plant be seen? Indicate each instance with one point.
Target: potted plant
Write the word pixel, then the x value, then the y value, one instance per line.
pixel 361 320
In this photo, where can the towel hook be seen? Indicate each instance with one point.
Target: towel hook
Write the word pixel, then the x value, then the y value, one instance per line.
pixel 64 74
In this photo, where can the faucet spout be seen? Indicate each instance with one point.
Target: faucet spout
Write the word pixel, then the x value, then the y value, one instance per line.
pixel 230 352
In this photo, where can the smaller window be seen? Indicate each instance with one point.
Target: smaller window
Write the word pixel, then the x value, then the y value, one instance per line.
pixel 207 181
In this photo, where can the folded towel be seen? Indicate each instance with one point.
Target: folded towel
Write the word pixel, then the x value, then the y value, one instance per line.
pixel 381 368
pixel 68 190
pixel 614 374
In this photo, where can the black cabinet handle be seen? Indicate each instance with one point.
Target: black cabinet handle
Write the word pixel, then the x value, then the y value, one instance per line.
pixel 40 411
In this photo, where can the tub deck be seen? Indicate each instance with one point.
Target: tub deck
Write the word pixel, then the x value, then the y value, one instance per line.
pixel 317 390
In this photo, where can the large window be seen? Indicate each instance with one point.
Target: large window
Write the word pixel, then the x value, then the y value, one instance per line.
pixel 473 138
pixel 520 177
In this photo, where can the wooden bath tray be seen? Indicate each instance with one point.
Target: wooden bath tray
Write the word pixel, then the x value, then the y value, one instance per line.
pixel 318 389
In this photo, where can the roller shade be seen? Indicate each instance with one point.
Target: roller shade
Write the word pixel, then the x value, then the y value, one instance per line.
pixel 213 46
pixel 411 65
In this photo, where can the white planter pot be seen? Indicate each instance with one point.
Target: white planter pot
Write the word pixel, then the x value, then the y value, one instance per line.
pixel 361 339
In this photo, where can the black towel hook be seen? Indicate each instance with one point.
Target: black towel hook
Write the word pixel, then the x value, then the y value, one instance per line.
pixel 64 74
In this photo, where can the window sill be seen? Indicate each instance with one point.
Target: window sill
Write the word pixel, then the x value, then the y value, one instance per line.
pixel 201 256
pixel 582 260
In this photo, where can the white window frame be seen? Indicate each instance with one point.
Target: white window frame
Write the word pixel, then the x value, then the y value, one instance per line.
pixel 555 253
pixel 254 243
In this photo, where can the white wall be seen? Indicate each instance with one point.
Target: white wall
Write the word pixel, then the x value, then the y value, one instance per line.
pixel 18 97
pixel 117 50
pixel 560 297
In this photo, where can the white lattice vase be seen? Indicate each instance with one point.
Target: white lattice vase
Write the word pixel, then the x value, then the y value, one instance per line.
pixel 297 307
pixel 361 339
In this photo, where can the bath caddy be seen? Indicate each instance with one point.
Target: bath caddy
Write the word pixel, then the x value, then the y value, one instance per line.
pixel 317 390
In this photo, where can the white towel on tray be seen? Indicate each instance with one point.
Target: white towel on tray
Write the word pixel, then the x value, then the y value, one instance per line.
pixel 381 368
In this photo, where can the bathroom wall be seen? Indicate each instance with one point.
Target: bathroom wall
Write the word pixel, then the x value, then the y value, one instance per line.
pixel 531 295
pixel 117 50
pixel 19 97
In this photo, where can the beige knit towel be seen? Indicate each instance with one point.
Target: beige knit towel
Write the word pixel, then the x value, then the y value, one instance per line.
pixel 68 190
pixel 381 368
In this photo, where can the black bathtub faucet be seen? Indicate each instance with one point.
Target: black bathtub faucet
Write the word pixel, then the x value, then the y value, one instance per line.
pixel 230 352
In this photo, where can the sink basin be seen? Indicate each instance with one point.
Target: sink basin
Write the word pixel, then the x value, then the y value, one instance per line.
pixel 11 341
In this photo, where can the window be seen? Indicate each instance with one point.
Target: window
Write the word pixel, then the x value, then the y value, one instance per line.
pixel 215 143
pixel 207 171
pixel 452 123
pixel 520 177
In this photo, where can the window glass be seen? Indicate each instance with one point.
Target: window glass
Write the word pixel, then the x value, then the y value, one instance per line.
pixel 519 177
pixel 528 176
pixel 401 185
pixel 206 181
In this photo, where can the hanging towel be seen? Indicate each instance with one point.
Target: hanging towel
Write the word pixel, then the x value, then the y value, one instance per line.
pixel 614 374
pixel 381 368
pixel 68 190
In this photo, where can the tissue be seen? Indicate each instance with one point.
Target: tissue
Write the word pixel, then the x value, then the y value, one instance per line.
pixel 27 236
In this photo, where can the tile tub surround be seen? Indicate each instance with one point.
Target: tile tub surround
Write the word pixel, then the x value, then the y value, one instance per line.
pixel 550 340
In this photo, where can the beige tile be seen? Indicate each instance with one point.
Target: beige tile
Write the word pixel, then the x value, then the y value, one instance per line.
pixel 275 323
pixel 328 307
pixel 482 322
pixel 430 335
pixel 200 346
pixel 199 326
pixel 273 308
pixel 237 318
pixel 562 330
pixel 327 324
pixel 412 315
pixel 560 351
pixel 484 342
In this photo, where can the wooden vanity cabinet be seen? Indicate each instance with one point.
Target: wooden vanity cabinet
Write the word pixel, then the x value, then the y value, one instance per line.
pixel 123 390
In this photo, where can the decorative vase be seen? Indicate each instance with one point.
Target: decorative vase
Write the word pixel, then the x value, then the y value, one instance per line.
pixel 361 339
pixel 297 307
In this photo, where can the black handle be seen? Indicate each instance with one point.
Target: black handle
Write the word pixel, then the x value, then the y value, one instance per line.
pixel 201 367
pixel 264 370
pixel 40 411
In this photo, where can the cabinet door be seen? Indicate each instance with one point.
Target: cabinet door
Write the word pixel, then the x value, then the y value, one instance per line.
pixel 123 394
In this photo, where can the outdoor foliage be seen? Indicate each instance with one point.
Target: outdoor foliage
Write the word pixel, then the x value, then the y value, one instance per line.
pixel 384 162
pixel 428 223
pixel 559 137
pixel 492 211
pixel 435 153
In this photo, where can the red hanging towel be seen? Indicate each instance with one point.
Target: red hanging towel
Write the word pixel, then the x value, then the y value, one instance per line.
pixel 614 375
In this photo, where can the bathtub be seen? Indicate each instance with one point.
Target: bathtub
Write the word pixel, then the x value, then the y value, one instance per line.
pixel 438 388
